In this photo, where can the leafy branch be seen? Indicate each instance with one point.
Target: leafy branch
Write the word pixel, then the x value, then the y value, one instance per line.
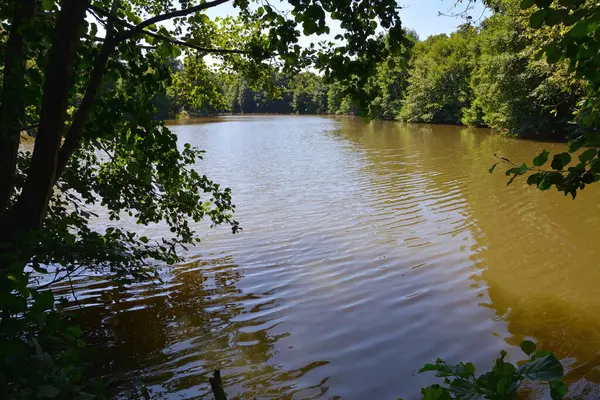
pixel 164 17
pixel 566 179
pixel 133 30
pixel 501 383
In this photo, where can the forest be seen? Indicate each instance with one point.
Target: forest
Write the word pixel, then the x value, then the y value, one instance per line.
pixel 487 73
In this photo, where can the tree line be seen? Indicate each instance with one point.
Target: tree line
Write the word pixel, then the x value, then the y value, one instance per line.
pixel 488 74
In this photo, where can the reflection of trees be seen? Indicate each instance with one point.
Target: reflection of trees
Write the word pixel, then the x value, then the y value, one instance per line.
pixel 536 252
pixel 571 332
pixel 527 246
pixel 171 336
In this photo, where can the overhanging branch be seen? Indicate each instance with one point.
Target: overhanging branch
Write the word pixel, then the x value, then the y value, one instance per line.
pixel 164 17
pixel 178 42
pixel 193 46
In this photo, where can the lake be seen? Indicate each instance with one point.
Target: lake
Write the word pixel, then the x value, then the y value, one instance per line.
pixel 367 250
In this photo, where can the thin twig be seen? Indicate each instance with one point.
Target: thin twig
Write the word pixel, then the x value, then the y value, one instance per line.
pixel 164 38
pixel 179 13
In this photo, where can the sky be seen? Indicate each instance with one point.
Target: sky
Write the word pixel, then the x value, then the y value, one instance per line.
pixel 420 15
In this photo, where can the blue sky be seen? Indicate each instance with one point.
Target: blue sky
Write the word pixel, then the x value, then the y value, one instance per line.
pixel 420 15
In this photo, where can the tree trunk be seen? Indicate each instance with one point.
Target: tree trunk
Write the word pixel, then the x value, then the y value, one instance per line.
pixel 12 98
pixel 75 134
pixel 216 386
pixel 33 201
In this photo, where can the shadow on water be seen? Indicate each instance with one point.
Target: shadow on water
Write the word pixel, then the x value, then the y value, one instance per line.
pixel 169 337
pixel 534 253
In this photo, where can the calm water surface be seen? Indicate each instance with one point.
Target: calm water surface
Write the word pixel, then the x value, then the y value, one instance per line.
pixel 367 250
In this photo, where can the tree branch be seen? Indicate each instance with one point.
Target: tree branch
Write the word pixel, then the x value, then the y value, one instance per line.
pixel 193 46
pixel 163 17
pixel 164 38
pixel 75 133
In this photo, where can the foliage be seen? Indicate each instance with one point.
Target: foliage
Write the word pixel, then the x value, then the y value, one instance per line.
pixel 439 88
pixel 514 91
pixel 195 87
pixel 574 44
pixel 308 94
pixel 501 383
pixel 41 346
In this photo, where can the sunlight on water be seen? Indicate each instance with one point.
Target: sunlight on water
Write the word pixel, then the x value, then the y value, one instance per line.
pixel 367 250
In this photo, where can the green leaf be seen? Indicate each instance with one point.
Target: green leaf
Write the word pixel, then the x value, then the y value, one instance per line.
pixel 470 367
pixel 11 302
pixel 44 301
pixel 558 390
pixel 553 53
pixel 536 20
pixel 435 392
pixel 464 389
pixel 525 4
pixel 47 5
pixel 588 178
pixel 528 347
pixel 491 170
pixel 47 391
pixel 588 155
pixel 575 144
pixel 391 63
pixel 75 331
pixel 534 179
pixel 442 369
pixel 541 159
pixel 580 29
pixel 504 368
pixel 560 161
pixel 439 368
pixel 517 170
pixel 544 184
pixel 546 368
pixel 555 17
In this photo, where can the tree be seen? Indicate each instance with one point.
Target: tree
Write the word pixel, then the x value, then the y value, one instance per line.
pixel 195 87
pixel 334 98
pixel 438 86
pixel 307 94
pixel 390 82
pixel 514 91
pixel 89 94
pixel 575 43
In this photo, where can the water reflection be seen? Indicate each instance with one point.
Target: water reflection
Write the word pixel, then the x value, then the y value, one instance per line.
pixel 169 337
pixel 368 250
pixel 535 252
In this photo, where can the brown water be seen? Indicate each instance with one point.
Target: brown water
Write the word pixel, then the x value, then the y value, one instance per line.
pixel 367 250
